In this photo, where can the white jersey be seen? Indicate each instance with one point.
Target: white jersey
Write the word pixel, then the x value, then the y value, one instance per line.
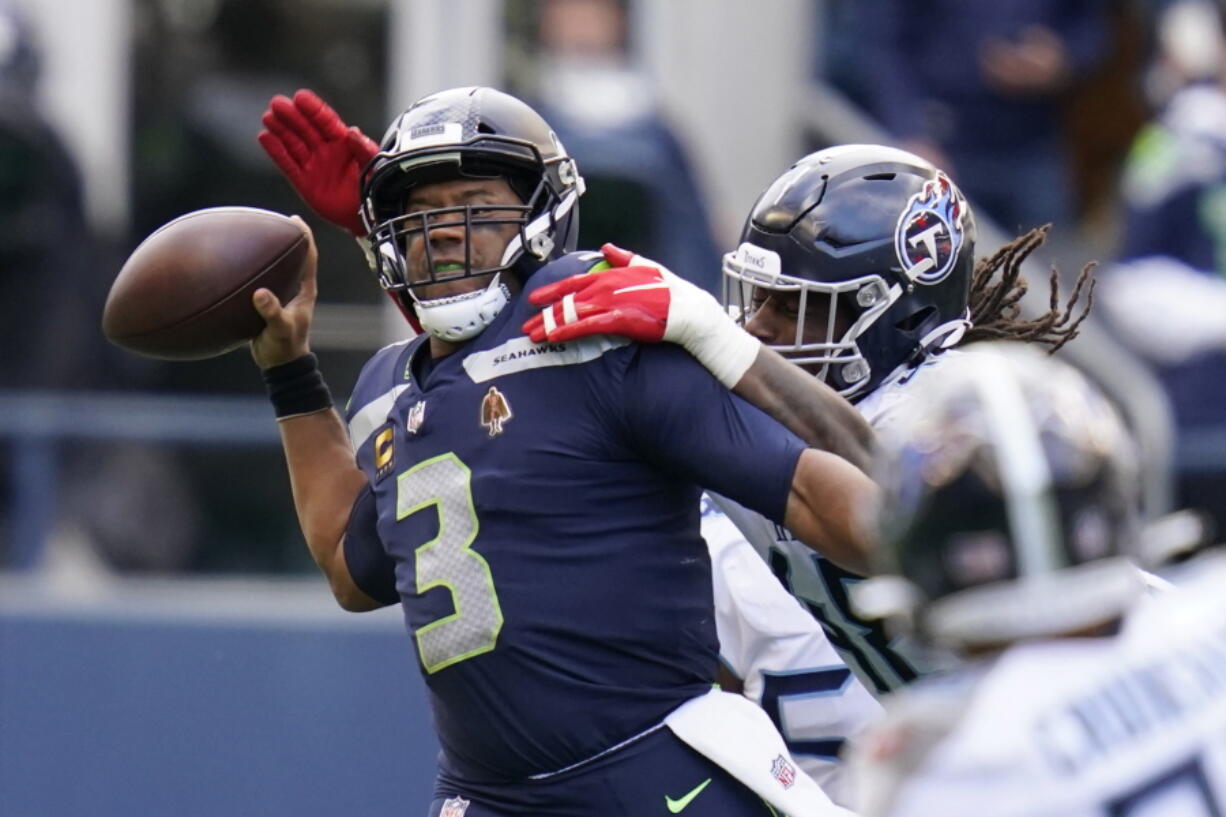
pixel 1128 726
pixel 792 652
pixel 1205 569
pixel 783 658
pixel 882 664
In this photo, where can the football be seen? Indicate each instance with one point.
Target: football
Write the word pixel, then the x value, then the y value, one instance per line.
pixel 185 292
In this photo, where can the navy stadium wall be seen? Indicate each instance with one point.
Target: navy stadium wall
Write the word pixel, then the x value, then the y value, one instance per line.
pixel 207 700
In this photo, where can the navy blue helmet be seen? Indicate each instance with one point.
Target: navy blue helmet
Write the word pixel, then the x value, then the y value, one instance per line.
pixel 878 243
pixel 1009 503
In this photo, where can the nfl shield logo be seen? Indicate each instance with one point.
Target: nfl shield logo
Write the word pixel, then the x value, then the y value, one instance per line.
pixel 454 807
pixel 783 771
pixel 417 415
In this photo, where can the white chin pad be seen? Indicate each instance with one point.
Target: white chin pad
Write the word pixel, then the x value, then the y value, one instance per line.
pixel 458 318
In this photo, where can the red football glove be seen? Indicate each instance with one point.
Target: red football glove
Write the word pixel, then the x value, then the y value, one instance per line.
pixel 639 299
pixel 628 301
pixel 319 154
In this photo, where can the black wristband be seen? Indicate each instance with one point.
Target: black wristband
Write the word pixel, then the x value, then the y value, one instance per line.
pixel 297 387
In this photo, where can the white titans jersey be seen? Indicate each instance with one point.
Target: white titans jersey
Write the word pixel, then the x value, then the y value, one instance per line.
pixel 1207 568
pixel 881 664
pixel 783 658
pixel 1128 726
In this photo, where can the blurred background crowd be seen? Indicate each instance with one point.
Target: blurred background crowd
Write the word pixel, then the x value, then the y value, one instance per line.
pixel 1106 118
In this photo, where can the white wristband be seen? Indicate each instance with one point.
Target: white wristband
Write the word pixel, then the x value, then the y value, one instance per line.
pixel 697 322
pixel 728 355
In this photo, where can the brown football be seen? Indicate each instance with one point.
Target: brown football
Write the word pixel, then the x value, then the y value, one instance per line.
pixel 185 292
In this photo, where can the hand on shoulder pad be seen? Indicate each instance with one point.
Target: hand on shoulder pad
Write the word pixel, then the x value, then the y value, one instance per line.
pixel 642 300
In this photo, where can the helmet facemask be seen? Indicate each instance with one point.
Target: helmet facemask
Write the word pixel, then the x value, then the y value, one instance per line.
pixel 884 239
pixel 392 230
pixel 460 135
pixel 856 304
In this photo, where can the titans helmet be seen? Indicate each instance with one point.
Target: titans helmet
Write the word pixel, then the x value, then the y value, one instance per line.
pixel 878 244
pixel 1009 504
pixel 469 133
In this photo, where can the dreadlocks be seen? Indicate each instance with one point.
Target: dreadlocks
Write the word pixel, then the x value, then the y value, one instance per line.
pixel 995 302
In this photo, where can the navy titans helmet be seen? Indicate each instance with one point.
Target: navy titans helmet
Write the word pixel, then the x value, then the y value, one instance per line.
pixel 1008 506
pixel 880 246
pixel 470 133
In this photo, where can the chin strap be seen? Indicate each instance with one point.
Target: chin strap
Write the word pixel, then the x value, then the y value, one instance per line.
pixel 946 336
pixel 461 317
pixel 407 310
pixel 403 304
pixel 942 338
pixel 455 318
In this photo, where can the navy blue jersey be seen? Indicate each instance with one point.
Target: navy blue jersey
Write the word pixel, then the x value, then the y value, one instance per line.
pixel 657 774
pixel 534 508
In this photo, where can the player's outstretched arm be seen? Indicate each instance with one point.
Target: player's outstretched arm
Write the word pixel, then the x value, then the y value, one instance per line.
pixel 639 299
pixel 323 475
pixel 807 407
pixel 325 484
pixel 320 156
pixel 828 507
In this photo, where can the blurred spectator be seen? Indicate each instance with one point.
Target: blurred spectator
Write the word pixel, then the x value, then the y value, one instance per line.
pixel 637 170
pixel 1187 47
pixel 45 242
pixel 54 275
pixel 204 72
pixel 978 89
pixel 1166 294
pixel 1174 189
pixel 1167 290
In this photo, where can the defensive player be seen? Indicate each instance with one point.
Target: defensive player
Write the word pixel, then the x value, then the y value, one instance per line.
pixel 1008 510
pixel 858 264
pixel 533 507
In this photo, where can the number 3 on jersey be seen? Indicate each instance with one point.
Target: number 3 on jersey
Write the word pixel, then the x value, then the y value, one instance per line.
pixel 448 560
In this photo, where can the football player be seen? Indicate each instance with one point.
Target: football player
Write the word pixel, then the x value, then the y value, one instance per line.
pixel 533 507
pixel 785 661
pixel 858 265
pixel 1008 513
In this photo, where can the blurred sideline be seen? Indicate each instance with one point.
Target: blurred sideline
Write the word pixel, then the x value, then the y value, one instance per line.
pixel 195 697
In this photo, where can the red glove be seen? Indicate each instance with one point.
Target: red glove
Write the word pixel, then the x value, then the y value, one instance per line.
pixel 639 299
pixel 320 155
pixel 631 301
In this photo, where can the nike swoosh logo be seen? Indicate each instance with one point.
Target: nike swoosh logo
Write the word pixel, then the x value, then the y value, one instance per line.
pixel 675 806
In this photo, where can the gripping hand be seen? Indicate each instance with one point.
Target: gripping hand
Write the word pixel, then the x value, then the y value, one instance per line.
pixel 639 299
pixel 319 154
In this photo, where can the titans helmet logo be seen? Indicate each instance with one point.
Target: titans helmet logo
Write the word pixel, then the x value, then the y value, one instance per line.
pixel 930 231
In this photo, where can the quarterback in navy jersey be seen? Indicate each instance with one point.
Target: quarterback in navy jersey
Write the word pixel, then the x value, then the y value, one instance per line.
pixel 550 534
pixel 534 507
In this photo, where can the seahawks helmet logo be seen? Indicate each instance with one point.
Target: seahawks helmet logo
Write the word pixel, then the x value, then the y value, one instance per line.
pixel 930 231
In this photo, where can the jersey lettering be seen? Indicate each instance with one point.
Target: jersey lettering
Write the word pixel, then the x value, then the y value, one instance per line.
pixel 1183 790
pixel 865 647
pixel 779 687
